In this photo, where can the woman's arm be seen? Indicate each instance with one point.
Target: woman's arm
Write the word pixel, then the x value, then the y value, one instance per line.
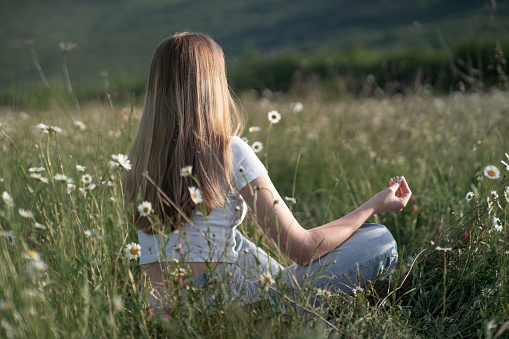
pixel 304 246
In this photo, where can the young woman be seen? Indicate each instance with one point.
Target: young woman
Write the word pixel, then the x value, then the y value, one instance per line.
pixel 187 140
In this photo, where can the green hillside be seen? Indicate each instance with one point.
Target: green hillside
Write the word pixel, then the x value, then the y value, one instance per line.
pixel 119 36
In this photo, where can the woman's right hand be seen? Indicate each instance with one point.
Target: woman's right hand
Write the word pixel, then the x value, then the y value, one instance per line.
pixel 392 199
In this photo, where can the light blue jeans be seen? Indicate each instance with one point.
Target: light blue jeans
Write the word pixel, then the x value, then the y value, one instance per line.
pixel 369 254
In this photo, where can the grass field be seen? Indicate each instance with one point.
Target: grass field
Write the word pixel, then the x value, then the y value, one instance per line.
pixel 63 265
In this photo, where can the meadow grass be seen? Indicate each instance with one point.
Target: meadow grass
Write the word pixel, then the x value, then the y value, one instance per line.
pixel 64 271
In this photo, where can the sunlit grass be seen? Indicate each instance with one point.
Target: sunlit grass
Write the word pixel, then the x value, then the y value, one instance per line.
pixel 327 158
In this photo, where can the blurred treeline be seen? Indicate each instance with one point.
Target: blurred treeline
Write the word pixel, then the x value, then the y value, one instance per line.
pixel 356 71
pixel 280 45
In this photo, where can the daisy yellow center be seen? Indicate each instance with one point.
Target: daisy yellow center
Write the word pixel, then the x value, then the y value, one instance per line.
pixel 491 172
pixel 32 254
pixel 193 196
pixel 5 306
pixel 134 250
pixel 146 209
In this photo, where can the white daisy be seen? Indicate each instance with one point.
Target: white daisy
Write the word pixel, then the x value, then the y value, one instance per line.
pixel 274 117
pixel 492 172
pixel 86 178
pixel 83 191
pixel 195 195
pixel 266 279
pixel 257 146
pixel 469 196
pixel 6 197
pixel 43 128
pixel 357 290
pixel 296 107
pixel 186 171
pixel 290 199
pixel 61 177
pixel 80 125
pixel 70 187
pixel 40 226
pixel 133 251
pixel 122 161
pixel 80 168
pixel 145 208
pixel 32 255
pixel 254 129
pixel 55 129
pixel 179 272
pixel 36 169
pixel 496 224
pixel 246 140
pixel 91 187
pixel 39 177
pixel 445 249
pixel 25 213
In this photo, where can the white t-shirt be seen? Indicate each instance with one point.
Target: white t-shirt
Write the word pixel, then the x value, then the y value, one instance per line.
pixel 210 238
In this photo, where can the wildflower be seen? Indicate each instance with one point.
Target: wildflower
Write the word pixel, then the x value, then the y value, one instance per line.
pixel 80 125
pixel 257 146
pixel 445 249
pixel 25 213
pixel 274 117
pixel 195 195
pixel 290 199
pixel 296 107
pixel 490 205
pixel 357 290
pixel 32 255
pixel 90 187
pixel 492 172
pixel 186 171
pixel 246 140
pixel 494 194
pixel 469 196
pixel 254 129
pixel 40 226
pixel 66 46
pixel 55 129
pixel 179 272
pixel 266 279
pixel 70 187
pixel 80 168
pixel 86 178
pixel 61 177
pixel 505 163
pixel 7 199
pixel 43 128
pixel 5 305
pixel 8 235
pixel 323 292
pixel 36 169
pixel 108 183
pixel 83 191
pixel 465 236
pixel 39 177
pixel 496 224
pixel 133 251
pixel 122 161
pixel 145 208
pixel 414 208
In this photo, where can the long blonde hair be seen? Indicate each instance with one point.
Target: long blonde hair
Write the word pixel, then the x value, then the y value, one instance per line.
pixel 188 118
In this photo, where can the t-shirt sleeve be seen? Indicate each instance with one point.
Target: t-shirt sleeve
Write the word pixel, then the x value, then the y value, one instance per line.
pixel 244 156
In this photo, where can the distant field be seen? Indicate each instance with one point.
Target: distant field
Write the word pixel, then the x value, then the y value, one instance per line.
pixel 63 267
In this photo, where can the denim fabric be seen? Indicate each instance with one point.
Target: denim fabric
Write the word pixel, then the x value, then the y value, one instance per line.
pixel 362 258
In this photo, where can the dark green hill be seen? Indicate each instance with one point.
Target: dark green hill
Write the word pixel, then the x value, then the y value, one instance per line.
pixel 119 36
